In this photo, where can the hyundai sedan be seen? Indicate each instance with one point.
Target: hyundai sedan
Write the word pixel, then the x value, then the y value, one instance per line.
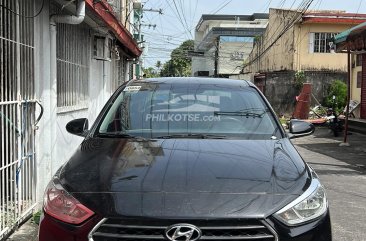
pixel 186 159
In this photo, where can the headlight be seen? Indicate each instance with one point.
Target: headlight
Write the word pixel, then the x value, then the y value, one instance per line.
pixel 310 205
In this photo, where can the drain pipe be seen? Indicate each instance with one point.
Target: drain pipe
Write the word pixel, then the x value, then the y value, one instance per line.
pixel 71 19
pixel 67 19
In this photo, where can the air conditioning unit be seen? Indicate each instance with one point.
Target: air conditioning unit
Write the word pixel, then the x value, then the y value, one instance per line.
pixel 102 48
pixel 137 5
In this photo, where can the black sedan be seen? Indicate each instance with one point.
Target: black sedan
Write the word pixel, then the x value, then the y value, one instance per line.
pixel 186 159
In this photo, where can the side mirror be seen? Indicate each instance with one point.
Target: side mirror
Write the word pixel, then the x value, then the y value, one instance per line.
pixel 78 127
pixel 299 128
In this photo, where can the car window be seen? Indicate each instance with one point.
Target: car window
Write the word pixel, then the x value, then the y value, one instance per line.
pixel 152 110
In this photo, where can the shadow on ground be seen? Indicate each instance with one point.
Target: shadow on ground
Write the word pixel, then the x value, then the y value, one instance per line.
pixel 323 142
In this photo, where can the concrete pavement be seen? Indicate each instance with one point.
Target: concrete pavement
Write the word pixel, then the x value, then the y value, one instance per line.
pixel 343 172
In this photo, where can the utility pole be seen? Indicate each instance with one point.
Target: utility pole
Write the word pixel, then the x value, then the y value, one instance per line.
pixel 217 56
pixel 139 10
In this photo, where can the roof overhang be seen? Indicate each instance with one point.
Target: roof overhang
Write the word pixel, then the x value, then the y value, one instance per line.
pixel 220 17
pixel 216 32
pixel 105 12
pixel 334 17
pixel 331 20
pixel 353 39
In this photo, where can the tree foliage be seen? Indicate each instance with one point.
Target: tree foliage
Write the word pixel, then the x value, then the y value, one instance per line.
pixel 158 64
pixel 339 90
pixel 179 63
pixel 150 73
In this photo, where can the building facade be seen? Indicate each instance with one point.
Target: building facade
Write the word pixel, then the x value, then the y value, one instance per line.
pixel 296 44
pixel 222 42
pixel 58 61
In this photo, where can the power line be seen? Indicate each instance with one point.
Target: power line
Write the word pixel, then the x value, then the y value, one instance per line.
pixel 180 18
pixel 21 15
pixel 306 7
pixel 222 6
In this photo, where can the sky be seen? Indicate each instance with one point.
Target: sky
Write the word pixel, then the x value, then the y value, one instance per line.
pixel 179 18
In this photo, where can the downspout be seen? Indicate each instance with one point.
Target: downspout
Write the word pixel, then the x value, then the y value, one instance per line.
pixel 68 19
pixel 71 19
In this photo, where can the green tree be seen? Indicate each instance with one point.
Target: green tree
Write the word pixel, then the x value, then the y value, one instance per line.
pixel 339 90
pixel 179 63
pixel 158 64
pixel 150 73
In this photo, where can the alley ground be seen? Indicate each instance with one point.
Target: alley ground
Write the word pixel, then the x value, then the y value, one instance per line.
pixel 341 169
pixel 343 172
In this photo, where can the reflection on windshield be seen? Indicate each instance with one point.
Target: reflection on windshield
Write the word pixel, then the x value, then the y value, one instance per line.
pixel 152 110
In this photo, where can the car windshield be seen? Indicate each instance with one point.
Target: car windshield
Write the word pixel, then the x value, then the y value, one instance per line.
pixel 162 110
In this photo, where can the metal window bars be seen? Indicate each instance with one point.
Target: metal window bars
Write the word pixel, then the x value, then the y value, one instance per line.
pixel 73 64
pixel 17 114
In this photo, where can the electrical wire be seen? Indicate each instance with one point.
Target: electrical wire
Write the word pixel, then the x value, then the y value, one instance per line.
pixel 21 15
pixel 180 18
pixel 227 3
pixel 306 7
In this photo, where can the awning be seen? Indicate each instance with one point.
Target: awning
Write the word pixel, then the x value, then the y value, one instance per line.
pixel 351 38
pixel 105 13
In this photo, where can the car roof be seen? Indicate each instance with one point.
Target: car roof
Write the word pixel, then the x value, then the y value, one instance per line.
pixel 195 80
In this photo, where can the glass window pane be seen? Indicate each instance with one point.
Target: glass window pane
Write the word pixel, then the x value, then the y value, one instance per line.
pixel 152 110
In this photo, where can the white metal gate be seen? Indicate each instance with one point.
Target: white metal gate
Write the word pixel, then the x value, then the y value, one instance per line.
pixel 17 113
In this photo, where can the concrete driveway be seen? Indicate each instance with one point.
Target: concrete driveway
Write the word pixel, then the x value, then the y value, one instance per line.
pixel 343 172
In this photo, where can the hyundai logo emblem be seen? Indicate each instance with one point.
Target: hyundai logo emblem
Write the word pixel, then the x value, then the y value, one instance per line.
pixel 183 232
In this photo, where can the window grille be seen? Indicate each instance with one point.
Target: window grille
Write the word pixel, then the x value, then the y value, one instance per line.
pixel 73 65
pixel 359 79
pixel 359 60
pixel 322 42
pixel 17 110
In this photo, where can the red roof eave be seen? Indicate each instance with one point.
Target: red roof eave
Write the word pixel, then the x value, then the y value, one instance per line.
pixel 333 20
pixel 105 12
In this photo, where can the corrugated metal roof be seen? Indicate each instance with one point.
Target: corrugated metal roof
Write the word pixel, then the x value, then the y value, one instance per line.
pixel 344 36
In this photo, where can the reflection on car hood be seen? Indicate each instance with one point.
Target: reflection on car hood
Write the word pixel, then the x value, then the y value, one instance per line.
pixel 185 177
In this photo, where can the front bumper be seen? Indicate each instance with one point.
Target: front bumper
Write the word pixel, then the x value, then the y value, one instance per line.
pixel 318 230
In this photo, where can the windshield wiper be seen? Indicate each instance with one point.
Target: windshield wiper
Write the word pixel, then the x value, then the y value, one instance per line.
pixel 116 135
pixel 190 135
pixel 240 113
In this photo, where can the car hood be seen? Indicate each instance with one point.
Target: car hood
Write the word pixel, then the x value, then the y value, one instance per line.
pixel 185 178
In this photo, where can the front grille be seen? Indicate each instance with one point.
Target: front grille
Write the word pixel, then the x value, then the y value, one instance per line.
pixel 144 230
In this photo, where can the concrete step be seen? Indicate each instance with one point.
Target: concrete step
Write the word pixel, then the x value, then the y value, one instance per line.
pixel 357 130
pixel 357 125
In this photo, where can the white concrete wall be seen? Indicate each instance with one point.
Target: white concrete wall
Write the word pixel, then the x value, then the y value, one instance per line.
pixel 99 92
pixel 54 145
pixel 44 147
pixel 228 60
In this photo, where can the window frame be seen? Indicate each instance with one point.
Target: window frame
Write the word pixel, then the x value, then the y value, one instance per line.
pixel 319 42
pixel 73 67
